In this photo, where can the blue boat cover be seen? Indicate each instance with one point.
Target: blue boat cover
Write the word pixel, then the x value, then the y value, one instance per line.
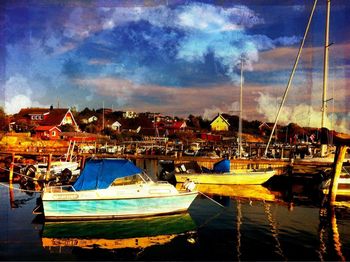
pixel 222 166
pixel 100 173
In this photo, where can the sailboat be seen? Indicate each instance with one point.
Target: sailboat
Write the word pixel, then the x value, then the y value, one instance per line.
pixel 325 74
pixel 222 174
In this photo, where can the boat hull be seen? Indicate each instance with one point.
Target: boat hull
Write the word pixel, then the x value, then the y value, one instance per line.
pixel 246 178
pixel 87 209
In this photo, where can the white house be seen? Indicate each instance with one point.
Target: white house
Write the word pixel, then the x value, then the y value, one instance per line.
pixel 129 114
pixel 116 126
pixel 92 119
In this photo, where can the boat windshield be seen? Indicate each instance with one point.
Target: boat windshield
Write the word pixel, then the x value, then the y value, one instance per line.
pixel 134 179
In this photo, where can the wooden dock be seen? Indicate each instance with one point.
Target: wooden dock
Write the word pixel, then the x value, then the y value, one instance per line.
pixel 278 164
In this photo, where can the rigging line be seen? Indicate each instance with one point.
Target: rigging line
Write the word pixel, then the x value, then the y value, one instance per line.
pixel 210 219
pixel 211 199
pixel 19 174
pixel 291 76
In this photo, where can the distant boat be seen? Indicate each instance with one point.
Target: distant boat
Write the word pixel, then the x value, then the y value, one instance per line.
pixel 221 175
pixel 113 188
pixel 61 170
pixel 117 234
pixel 193 149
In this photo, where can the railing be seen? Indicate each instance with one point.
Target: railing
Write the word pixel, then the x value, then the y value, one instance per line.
pixel 60 189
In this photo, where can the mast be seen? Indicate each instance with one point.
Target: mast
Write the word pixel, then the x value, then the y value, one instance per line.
pixel 240 114
pixel 291 76
pixel 325 73
pixel 103 115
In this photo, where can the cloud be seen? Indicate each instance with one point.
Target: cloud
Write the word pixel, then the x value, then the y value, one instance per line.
pixel 19 94
pixel 81 23
pixel 301 114
pixel 287 40
pixel 220 32
pixel 217 18
pixel 167 99
pixel 97 61
pixel 211 112
pixel 223 33
pixel 119 89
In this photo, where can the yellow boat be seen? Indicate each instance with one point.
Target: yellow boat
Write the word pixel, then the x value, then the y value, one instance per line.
pixel 222 175
pixel 241 177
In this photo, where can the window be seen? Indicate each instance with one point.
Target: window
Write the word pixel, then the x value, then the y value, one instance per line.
pixel 36 117
pixel 129 180
pixel 53 133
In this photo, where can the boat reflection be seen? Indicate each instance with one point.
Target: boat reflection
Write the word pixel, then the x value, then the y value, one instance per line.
pixel 330 241
pixel 137 233
pixel 250 192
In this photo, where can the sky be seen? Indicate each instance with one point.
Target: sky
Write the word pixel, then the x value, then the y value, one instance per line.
pixel 176 57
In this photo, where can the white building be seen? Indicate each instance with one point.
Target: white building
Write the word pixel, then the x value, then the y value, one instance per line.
pixel 116 126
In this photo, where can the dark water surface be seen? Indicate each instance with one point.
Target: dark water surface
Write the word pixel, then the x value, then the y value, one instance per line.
pixel 244 229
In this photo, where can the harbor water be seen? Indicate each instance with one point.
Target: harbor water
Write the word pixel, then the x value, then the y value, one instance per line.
pixel 242 223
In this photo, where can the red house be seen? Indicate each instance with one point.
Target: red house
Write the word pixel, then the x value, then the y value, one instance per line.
pixel 47 132
pixel 44 121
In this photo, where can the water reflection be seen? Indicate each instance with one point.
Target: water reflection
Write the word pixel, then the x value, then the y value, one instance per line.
pixel 238 225
pixel 117 234
pixel 252 223
pixel 250 192
pixel 274 230
pixel 330 240
pixel 249 198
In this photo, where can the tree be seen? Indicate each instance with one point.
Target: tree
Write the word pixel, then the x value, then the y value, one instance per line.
pixel 3 122
pixel 92 128
pixel 67 128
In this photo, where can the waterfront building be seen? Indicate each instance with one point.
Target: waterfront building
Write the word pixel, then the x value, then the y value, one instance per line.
pixel 219 123
pixel 43 120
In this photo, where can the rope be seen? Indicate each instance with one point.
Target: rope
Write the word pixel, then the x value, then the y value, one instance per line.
pixel 211 199
pixel 19 174
pixel 19 189
pixel 191 181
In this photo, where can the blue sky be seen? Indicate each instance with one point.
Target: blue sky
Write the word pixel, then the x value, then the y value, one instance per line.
pixel 174 57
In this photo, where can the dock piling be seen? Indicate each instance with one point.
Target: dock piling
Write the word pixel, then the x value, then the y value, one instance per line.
pixel 338 165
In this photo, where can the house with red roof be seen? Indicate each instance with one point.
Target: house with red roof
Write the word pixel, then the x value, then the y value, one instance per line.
pixel 46 122
pixel 172 126
pixel 47 132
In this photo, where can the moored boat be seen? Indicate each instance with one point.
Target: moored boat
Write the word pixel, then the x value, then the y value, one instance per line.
pixel 221 175
pixel 113 188
pixel 59 170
